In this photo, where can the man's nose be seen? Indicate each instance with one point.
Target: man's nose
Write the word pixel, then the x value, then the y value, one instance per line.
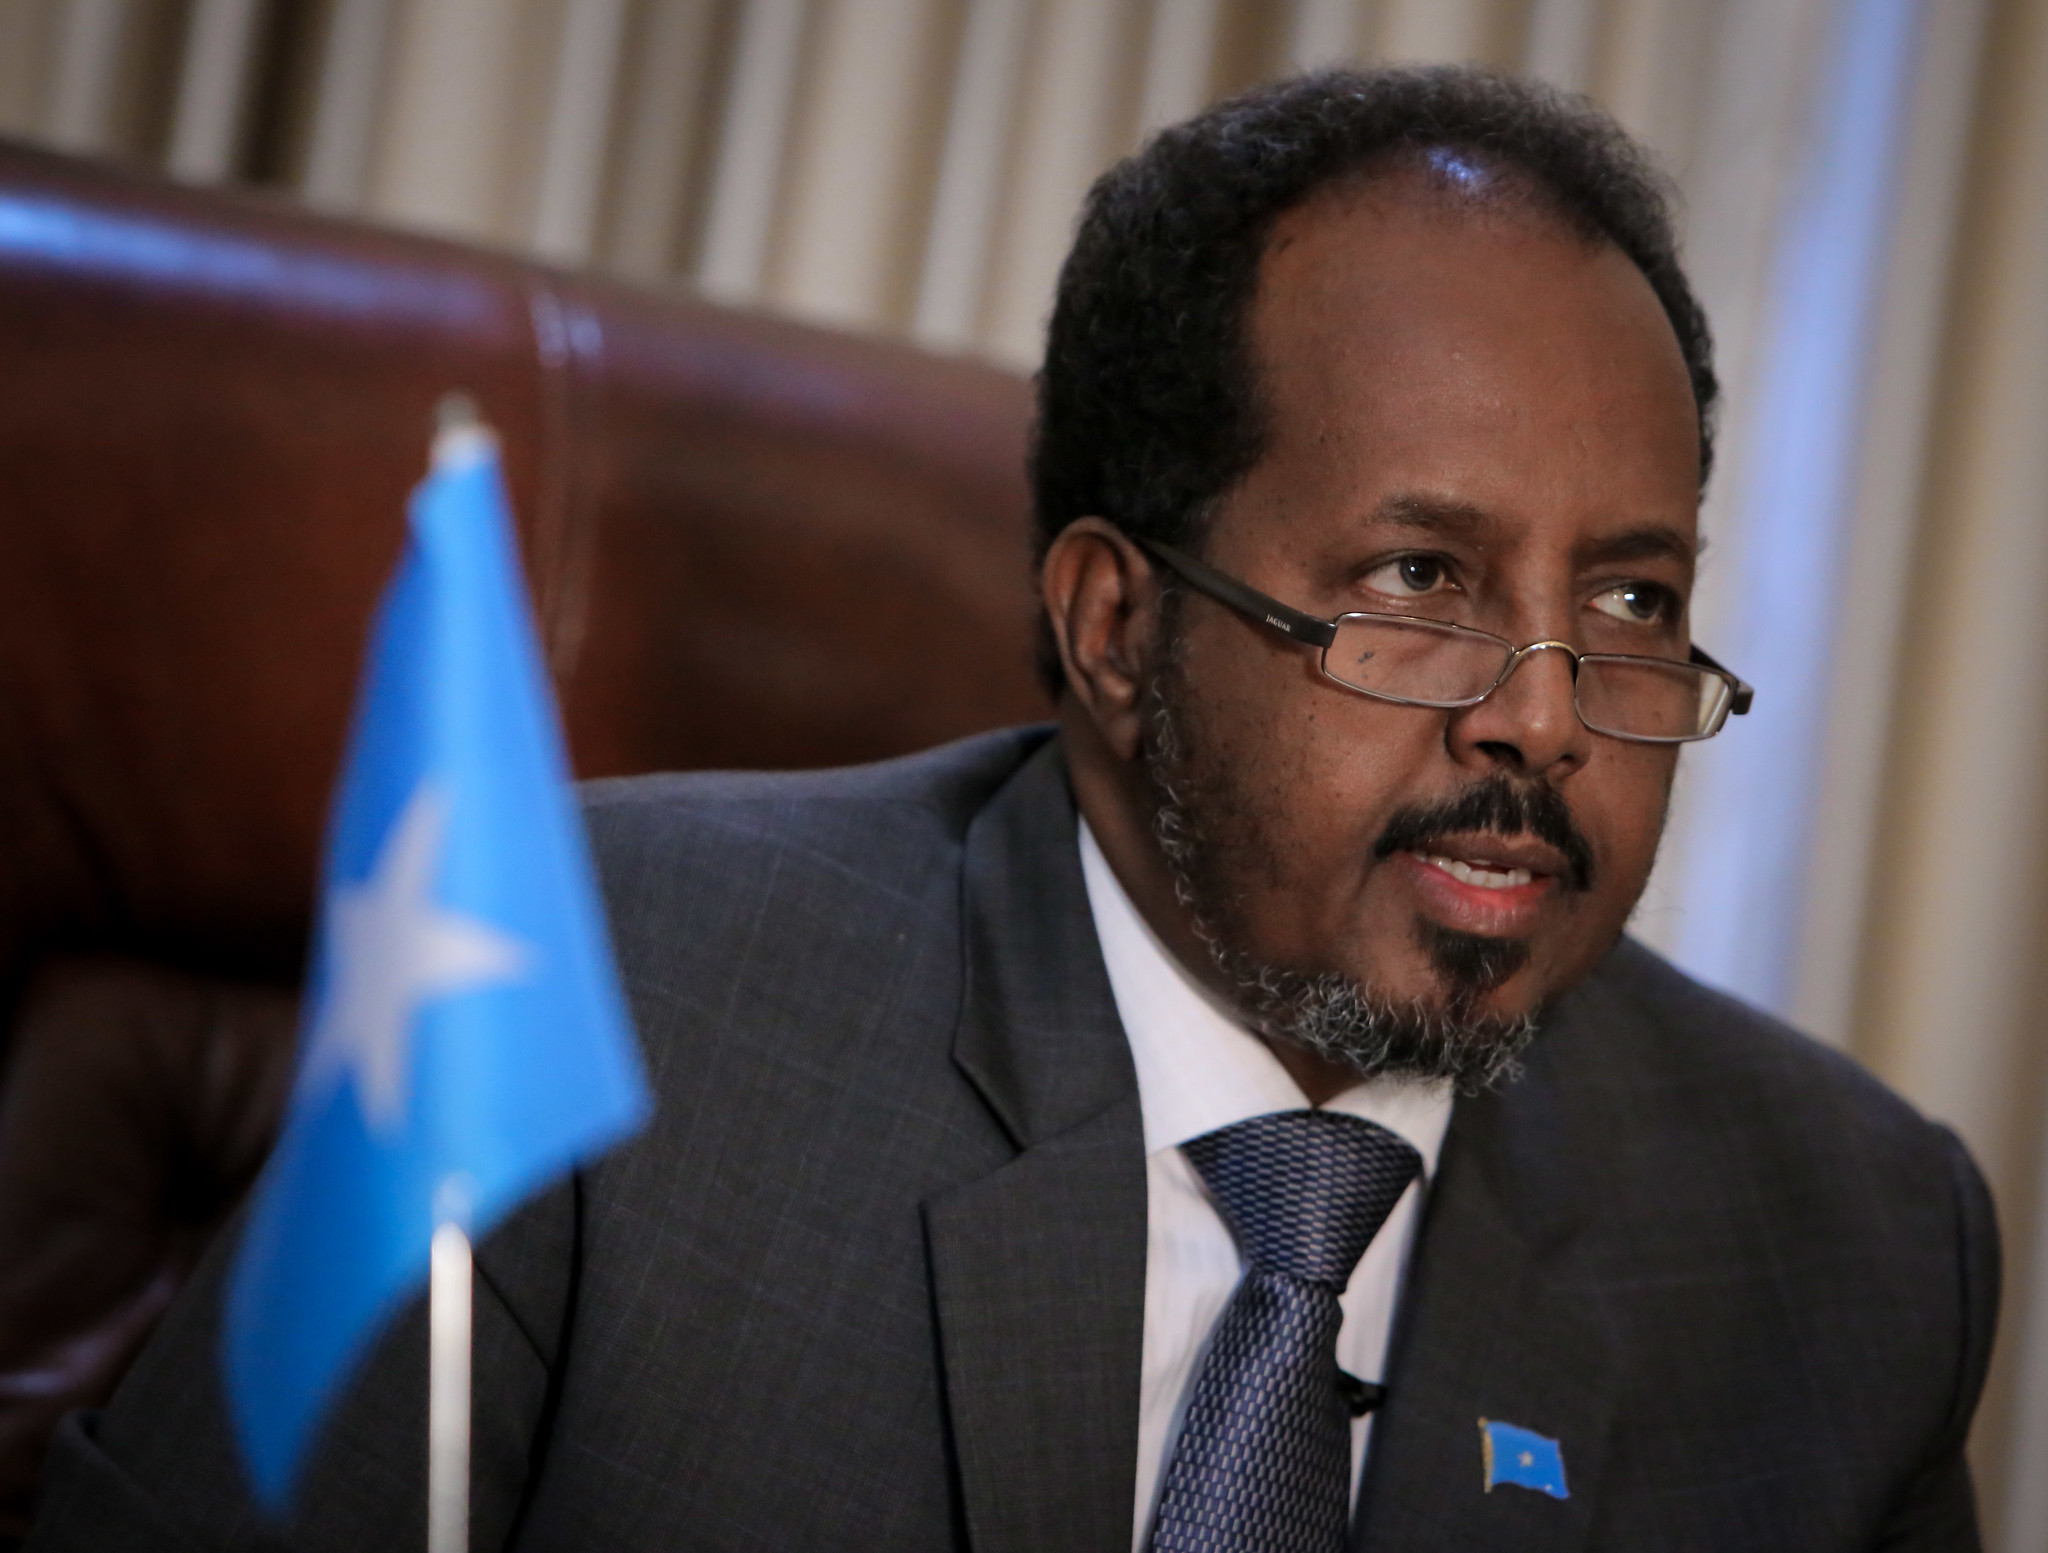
pixel 1531 722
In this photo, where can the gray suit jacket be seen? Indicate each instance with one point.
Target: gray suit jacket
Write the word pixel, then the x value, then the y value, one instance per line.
pixel 874 1277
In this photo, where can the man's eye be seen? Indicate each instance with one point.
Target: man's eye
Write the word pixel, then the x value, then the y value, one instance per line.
pixel 1409 576
pixel 1639 603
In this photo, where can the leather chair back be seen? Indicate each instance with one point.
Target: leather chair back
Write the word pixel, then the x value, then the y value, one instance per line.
pixel 749 543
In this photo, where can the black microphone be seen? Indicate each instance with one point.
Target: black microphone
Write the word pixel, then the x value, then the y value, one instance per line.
pixel 1360 1396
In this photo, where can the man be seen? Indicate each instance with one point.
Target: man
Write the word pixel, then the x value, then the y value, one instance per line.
pixel 1235 1121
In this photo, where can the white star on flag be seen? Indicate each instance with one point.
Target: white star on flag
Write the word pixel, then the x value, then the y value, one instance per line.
pixel 391 949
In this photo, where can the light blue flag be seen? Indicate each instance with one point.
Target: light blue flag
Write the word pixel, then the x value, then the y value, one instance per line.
pixel 1522 1457
pixel 464 1037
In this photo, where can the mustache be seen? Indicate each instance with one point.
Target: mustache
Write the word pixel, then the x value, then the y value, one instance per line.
pixel 1498 806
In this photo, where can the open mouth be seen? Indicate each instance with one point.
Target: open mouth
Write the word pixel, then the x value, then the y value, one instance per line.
pixel 1495 835
pixel 1488 860
pixel 1489 885
pixel 1480 875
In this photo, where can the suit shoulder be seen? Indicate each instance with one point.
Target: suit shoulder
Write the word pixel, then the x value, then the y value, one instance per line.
pixel 737 880
pixel 1738 1131
pixel 936 791
pixel 1712 1043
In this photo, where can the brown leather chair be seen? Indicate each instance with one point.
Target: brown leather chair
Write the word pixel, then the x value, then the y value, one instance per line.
pixel 749 543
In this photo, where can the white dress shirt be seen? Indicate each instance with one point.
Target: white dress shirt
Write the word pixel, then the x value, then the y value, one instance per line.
pixel 1199 1069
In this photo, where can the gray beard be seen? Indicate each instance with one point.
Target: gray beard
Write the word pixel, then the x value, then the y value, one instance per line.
pixel 1325 1012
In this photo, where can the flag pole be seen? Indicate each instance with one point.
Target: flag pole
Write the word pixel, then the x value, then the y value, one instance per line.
pixel 450 1289
pixel 449 1307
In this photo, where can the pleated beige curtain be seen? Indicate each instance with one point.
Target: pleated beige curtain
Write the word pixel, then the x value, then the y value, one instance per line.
pixel 913 167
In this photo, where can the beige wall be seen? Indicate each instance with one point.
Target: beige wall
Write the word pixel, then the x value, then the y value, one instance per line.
pixel 913 167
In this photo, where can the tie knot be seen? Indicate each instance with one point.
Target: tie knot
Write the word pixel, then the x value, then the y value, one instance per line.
pixel 1304 1192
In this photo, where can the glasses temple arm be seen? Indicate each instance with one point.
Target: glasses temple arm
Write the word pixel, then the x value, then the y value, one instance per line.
pixel 1739 703
pixel 1248 601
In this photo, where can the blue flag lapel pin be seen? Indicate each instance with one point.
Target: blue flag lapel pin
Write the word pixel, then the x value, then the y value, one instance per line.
pixel 1521 1457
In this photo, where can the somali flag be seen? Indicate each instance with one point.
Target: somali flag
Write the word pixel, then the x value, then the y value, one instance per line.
pixel 464 1038
pixel 1522 1457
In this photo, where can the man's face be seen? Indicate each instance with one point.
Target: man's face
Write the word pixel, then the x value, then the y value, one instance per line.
pixel 1476 417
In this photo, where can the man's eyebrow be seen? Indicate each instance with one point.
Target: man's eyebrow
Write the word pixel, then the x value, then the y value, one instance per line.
pixel 1437 515
pixel 1646 542
pixel 1462 520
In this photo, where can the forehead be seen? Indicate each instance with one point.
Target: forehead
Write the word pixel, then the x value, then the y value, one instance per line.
pixel 1412 345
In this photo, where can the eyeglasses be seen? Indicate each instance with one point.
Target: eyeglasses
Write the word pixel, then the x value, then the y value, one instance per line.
pixel 1416 662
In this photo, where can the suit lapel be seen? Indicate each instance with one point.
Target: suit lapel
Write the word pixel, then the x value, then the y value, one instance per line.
pixel 1488 1331
pixel 1038 1269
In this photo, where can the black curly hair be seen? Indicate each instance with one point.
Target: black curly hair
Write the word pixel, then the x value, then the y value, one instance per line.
pixel 1147 409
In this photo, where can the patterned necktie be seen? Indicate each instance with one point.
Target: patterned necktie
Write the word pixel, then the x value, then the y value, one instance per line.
pixel 1263 1464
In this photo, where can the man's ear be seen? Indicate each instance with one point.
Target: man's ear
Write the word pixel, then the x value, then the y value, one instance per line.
pixel 1102 599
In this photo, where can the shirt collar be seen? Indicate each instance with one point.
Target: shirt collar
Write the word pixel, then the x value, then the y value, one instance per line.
pixel 1199 1067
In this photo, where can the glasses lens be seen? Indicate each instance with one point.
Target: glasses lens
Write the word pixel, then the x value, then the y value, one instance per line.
pixel 1645 698
pixel 1414 660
